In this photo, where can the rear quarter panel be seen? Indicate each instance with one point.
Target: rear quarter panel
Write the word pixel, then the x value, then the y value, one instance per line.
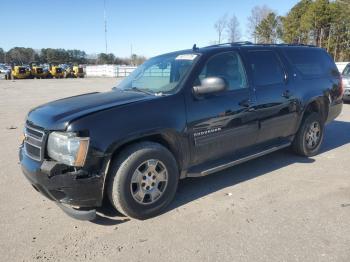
pixel 325 88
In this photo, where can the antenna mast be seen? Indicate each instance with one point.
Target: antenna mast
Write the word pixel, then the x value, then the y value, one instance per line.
pixel 105 21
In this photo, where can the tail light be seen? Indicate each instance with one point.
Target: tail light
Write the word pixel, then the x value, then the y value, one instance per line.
pixel 341 86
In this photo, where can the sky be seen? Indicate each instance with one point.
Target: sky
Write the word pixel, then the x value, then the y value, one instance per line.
pixel 151 27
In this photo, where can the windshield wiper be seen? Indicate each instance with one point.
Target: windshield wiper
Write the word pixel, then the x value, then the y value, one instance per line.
pixel 139 90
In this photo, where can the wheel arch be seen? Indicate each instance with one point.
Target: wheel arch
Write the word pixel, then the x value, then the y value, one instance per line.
pixel 167 139
pixel 317 105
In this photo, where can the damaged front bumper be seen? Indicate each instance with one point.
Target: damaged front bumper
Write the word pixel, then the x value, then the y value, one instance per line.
pixel 77 192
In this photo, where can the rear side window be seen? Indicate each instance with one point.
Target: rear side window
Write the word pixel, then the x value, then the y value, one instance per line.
pixel 311 62
pixel 266 68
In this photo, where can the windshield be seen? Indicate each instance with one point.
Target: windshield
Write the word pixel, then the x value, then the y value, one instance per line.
pixel 346 71
pixel 159 75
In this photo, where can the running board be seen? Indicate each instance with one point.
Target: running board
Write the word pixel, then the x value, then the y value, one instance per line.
pixel 220 167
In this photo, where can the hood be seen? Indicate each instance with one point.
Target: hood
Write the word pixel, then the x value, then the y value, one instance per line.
pixel 56 115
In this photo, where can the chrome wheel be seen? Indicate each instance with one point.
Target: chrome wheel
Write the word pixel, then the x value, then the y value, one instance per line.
pixel 149 181
pixel 313 135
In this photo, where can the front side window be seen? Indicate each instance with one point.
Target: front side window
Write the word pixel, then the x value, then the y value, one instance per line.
pixel 227 66
pixel 159 75
pixel 266 68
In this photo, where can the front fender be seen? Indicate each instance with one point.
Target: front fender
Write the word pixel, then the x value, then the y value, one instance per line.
pixel 112 128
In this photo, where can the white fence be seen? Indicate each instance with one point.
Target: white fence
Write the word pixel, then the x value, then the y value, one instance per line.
pixel 108 70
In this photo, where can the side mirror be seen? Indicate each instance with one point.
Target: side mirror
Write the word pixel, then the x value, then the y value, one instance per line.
pixel 210 85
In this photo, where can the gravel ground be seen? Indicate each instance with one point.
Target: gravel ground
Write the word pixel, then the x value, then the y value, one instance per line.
pixel 277 208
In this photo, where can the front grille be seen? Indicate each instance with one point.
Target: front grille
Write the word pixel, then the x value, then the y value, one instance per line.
pixel 39 70
pixel 33 151
pixel 34 142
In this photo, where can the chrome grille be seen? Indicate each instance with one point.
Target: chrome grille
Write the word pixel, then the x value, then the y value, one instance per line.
pixel 34 142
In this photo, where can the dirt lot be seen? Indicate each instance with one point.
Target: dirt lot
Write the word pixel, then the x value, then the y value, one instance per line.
pixel 277 208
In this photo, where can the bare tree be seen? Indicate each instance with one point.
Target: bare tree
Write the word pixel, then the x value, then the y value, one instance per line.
pixel 233 30
pixel 258 14
pixel 220 26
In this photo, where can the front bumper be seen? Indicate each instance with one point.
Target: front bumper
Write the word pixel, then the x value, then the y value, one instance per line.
pixel 21 76
pixel 77 192
pixel 79 74
pixel 40 74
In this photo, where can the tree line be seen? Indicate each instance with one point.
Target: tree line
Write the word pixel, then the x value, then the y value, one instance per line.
pixel 22 55
pixel 322 23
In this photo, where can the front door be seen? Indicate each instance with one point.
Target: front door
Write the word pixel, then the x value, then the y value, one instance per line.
pixel 221 123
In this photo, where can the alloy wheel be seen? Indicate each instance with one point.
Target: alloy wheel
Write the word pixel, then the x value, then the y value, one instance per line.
pixel 313 135
pixel 149 182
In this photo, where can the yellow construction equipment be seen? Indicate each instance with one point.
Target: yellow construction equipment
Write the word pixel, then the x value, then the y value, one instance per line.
pixel 78 71
pixel 37 71
pixel 55 71
pixel 19 72
pixel 74 71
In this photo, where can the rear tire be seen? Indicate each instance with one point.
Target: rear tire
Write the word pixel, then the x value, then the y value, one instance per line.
pixel 309 138
pixel 143 180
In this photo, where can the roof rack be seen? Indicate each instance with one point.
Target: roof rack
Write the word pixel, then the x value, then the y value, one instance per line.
pixel 233 44
pixel 286 44
pixel 196 48
pixel 250 43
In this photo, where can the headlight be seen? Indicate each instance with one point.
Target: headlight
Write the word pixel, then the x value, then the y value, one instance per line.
pixel 68 148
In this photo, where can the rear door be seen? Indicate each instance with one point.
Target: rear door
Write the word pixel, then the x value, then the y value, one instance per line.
pixel 275 104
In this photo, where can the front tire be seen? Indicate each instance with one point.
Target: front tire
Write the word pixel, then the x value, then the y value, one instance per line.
pixel 310 136
pixel 143 180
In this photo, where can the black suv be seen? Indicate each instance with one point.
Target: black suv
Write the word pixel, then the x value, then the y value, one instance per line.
pixel 184 114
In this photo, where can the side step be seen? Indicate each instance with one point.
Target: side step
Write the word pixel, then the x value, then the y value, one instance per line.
pixel 221 165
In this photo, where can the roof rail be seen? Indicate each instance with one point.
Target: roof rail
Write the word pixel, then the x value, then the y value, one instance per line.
pixel 288 44
pixel 242 43
pixel 250 43
pixel 232 44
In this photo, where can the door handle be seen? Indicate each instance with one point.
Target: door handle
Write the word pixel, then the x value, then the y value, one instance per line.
pixel 286 94
pixel 245 103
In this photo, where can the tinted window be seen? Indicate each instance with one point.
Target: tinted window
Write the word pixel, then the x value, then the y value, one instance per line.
pixel 266 68
pixel 227 66
pixel 311 62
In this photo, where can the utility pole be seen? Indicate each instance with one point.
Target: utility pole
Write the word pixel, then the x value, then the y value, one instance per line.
pixel 131 56
pixel 105 20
